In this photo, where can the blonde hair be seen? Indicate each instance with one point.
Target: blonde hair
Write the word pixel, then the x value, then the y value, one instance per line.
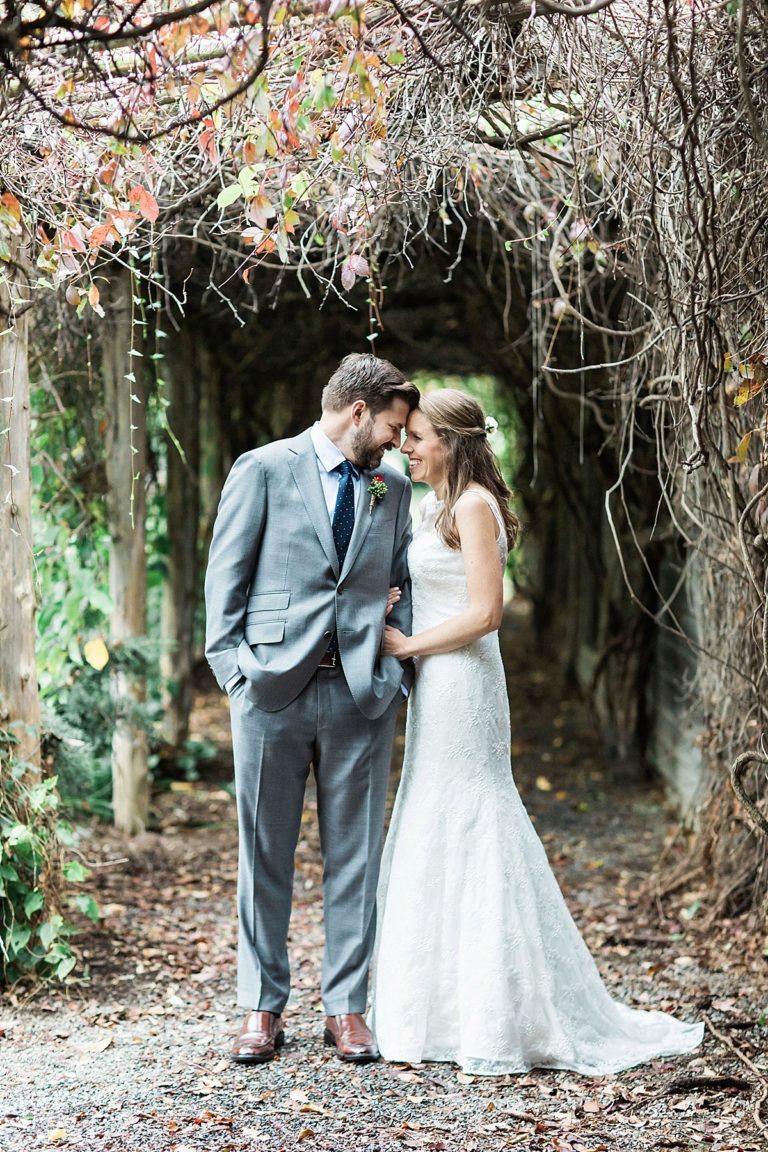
pixel 459 422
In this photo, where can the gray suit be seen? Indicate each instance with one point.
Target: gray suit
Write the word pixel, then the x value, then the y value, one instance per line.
pixel 274 596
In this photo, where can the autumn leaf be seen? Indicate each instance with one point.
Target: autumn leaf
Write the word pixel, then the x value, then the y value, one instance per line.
pixel 751 387
pixel 12 206
pixel 95 651
pixel 252 235
pixel 740 455
pixel 359 265
pixel 70 241
pixel 145 202
pixel 102 234
pixel 260 210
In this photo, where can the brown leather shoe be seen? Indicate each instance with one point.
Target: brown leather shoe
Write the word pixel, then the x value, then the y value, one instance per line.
pixel 351 1037
pixel 259 1038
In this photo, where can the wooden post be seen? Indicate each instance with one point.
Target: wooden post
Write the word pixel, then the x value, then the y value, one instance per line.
pixel 182 499
pixel 19 700
pixel 126 460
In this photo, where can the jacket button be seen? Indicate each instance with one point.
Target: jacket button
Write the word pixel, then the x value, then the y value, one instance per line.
pixel 339 590
pixel 327 635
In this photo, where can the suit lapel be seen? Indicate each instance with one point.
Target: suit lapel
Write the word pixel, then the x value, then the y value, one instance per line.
pixel 307 477
pixel 362 521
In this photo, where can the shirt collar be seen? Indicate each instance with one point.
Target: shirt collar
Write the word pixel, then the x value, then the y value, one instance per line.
pixel 326 451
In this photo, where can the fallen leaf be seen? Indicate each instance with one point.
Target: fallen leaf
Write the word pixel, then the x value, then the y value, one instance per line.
pixel 543 784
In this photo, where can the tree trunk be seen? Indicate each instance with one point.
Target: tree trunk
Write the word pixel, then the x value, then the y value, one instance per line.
pixel 180 592
pixel 212 463
pixel 19 700
pixel 126 459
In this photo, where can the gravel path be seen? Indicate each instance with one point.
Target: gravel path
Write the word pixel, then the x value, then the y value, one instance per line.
pixel 135 1058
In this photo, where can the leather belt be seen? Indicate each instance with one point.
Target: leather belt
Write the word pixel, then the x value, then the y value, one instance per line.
pixel 329 660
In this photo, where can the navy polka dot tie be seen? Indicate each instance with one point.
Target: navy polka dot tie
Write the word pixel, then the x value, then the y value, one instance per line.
pixel 344 513
pixel 343 522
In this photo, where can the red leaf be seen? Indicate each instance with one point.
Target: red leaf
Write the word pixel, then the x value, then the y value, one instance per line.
pixel 71 242
pixel 359 265
pixel 347 275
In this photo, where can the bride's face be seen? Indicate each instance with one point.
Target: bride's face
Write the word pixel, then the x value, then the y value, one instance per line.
pixel 425 451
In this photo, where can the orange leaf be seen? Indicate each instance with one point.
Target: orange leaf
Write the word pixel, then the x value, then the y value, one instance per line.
pixel 71 242
pixel 102 234
pixel 9 201
pixel 145 202
pixel 107 173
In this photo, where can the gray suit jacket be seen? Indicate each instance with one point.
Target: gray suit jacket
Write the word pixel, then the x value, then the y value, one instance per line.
pixel 274 593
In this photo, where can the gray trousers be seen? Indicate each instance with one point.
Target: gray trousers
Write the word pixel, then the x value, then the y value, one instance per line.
pixel 351 757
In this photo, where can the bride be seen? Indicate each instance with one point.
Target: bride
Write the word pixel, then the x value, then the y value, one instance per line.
pixel 477 958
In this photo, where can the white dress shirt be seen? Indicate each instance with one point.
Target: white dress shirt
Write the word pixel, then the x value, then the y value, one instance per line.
pixel 328 458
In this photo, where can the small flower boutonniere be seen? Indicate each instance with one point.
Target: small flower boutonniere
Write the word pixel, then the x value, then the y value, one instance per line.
pixel 377 490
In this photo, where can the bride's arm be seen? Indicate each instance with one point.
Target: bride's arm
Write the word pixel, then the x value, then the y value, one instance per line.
pixel 477 529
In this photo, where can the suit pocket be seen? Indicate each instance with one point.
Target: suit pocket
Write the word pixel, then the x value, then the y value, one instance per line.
pixel 266 602
pixel 267 632
pixel 382 523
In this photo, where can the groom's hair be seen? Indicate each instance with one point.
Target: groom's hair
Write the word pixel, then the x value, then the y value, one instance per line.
pixel 362 376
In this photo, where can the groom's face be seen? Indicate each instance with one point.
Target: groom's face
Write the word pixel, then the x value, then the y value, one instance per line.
pixel 374 434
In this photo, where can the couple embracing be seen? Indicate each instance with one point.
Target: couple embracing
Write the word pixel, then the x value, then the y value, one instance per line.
pixel 323 613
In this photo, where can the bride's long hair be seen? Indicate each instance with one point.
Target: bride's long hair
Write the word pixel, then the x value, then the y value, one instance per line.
pixel 459 422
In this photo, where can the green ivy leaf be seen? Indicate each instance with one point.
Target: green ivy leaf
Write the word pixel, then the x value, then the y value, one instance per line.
pixel 65 966
pixel 87 905
pixel 33 902
pixel 75 872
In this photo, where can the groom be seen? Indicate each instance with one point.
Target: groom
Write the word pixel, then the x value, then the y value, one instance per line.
pixel 307 542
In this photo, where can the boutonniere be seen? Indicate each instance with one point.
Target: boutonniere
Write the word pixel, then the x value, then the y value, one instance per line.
pixel 377 490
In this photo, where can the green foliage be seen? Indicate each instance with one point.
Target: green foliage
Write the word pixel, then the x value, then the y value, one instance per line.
pixel 76 662
pixel 80 724
pixel 34 875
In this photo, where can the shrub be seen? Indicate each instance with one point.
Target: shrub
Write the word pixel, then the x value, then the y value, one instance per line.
pixel 35 937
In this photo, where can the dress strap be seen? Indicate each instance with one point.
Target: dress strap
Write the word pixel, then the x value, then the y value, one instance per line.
pixel 492 503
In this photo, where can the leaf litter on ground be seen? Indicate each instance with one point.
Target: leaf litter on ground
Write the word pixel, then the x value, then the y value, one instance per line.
pixel 134 1059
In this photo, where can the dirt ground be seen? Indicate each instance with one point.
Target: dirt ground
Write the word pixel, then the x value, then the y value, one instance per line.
pixel 133 1056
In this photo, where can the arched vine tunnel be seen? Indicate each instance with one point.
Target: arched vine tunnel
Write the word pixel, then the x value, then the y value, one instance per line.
pixel 241 373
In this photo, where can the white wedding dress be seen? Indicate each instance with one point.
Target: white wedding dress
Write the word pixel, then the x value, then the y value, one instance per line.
pixel 477 958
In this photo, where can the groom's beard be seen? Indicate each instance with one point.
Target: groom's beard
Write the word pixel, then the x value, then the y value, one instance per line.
pixel 366 453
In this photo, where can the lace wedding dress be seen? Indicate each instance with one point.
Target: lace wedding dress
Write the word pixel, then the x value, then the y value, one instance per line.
pixel 477 958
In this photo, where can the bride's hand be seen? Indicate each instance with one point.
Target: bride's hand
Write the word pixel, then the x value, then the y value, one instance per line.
pixel 394 643
pixel 392 598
